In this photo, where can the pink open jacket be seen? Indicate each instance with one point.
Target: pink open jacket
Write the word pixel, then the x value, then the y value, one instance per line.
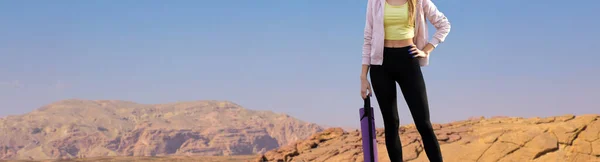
pixel 374 33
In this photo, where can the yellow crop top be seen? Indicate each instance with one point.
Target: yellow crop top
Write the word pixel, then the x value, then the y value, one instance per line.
pixel 396 24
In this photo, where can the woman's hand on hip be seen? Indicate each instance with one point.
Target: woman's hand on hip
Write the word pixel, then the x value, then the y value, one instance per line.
pixel 417 52
pixel 365 88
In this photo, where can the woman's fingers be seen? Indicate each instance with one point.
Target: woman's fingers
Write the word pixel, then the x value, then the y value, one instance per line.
pixel 419 55
pixel 414 51
pixel 363 94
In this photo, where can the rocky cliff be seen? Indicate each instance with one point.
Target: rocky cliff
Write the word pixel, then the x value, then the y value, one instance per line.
pixel 86 128
pixel 565 138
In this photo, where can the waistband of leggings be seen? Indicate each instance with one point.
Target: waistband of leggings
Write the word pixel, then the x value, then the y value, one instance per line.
pixel 397 48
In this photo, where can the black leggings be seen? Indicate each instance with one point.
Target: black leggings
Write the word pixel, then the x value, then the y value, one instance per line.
pixel 399 66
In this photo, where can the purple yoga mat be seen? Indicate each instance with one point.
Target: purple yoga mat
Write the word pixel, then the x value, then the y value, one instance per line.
pixel 367 126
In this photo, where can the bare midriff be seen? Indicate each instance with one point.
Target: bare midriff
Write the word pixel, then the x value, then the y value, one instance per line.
pixel 398 43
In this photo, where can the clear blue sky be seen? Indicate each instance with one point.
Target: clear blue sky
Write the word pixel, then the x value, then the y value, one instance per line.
pixel 509 57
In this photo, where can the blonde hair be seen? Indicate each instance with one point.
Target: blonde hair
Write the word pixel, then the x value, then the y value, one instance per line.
pixel 411 11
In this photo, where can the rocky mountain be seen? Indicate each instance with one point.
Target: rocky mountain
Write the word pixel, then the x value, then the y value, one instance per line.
pixel 93 128
pixel 565 138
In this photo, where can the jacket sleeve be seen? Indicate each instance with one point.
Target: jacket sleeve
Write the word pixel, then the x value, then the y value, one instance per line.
pixel 438 20
pixel 366 51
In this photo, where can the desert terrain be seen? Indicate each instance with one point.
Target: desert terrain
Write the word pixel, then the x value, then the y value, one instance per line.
pixel 221 131
pixel 100 128
pixel 565 138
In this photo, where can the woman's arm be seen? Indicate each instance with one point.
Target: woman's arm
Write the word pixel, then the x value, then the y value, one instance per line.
pixel 428 48
pixel 366 51
pixel 364 72
pixel 439 21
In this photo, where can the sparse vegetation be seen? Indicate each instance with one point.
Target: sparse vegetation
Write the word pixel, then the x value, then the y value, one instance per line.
pixel 102 129
pixel 36 130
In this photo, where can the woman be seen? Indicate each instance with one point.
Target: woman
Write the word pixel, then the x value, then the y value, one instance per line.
pixel 395 47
